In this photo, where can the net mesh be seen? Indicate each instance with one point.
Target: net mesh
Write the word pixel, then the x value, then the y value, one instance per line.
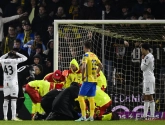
pixel 121 59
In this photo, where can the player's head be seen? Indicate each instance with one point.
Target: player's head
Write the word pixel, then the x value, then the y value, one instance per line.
pixel 145 48
pixel 11 55
pixel 87 46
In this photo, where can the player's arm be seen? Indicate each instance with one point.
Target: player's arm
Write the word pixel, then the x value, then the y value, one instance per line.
pixel 83 70
pixel 84 63
pixel 100 66
pixel 22 57
pixel 4 56
pixel 145 63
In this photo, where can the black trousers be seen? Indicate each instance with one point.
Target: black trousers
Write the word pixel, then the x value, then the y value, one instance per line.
pixel 48 99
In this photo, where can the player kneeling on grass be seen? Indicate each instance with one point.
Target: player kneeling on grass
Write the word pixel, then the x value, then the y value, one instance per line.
pixel 64 105
pixel 102 102
pixel 38 88
pixel 46 102
pixel 9 64
pixel 57 78
pixel 74 74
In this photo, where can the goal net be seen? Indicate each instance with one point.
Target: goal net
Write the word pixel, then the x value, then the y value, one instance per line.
pixel 117 44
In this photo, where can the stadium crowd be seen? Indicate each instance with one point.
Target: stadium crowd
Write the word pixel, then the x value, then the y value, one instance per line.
pixel 30 33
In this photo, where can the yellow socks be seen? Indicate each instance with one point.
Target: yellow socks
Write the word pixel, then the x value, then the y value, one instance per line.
pixel 82 106
pixel 92 106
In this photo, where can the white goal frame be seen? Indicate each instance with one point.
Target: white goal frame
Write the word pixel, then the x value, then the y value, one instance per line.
pixel 101 22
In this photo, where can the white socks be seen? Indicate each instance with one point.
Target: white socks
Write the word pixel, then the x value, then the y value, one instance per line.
pixel 13 108
pixel 146 106
pixel 5 108
pixel 152 108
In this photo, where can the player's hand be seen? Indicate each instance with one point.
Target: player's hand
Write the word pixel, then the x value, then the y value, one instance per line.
pixel 83 78
pixel 14 52
pixel 126 43
pixel 143 56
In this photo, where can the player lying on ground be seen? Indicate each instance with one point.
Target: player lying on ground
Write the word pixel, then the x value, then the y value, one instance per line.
pixel 147 66
pixel 38 88
pixel 9 64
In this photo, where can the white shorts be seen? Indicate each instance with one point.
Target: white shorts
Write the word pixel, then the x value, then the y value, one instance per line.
pixel 149 85
pixel 10 88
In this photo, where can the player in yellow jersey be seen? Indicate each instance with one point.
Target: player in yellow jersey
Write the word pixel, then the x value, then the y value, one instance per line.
pixel 89 77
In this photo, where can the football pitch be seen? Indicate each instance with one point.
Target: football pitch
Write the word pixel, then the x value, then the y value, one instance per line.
pixel 120 122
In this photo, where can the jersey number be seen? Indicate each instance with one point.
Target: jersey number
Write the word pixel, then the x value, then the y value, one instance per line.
pixel 93 64
pixel 8 70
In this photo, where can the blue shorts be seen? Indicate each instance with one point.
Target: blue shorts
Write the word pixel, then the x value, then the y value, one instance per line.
pixel 88 89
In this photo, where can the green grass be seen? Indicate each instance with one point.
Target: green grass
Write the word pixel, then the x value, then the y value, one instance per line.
pixel 120 122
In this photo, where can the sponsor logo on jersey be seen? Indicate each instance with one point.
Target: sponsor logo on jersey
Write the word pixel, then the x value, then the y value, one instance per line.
pixel 7 62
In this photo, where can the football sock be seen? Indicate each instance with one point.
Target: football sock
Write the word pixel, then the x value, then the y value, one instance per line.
pixel 5 108
pixel 13 107
pixel 82 106
pixel 152 108
pixel 146 106
pixel 92 106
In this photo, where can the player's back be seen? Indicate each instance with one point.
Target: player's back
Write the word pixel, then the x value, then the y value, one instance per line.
pixel 91 67
pixel 10 69
pixel 149 59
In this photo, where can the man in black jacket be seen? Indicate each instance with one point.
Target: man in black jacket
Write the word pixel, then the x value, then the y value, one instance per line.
pixel 63 106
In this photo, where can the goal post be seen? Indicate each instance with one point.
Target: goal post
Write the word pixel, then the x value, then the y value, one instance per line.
pixel 117 44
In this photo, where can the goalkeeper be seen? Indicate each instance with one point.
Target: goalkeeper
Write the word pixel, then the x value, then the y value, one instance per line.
pixel 74 74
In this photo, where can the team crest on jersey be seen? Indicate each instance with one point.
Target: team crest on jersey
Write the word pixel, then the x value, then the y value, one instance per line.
pixel 85 55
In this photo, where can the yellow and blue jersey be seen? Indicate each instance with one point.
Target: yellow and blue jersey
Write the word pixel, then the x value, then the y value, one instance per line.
pixel 91 61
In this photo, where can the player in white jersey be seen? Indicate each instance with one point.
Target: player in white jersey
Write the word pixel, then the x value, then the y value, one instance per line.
pixel 147 66
pixel 10 82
